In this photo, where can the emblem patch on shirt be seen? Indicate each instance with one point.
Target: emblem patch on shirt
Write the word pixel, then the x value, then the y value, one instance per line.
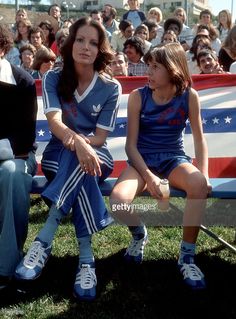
pixel 96 110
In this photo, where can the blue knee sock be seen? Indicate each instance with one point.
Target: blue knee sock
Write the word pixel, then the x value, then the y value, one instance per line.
pixel 49 229
pixel 138 232
pixel 187 252
pixel 85 250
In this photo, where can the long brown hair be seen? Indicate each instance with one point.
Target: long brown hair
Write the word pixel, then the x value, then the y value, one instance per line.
pixel 229 42
pixel 172 56
pixel 69 80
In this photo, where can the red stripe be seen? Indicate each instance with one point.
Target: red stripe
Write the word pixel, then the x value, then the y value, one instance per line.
pixel 200 82
pixel 222 167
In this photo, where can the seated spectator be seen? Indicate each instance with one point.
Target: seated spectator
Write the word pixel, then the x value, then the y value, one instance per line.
pixel 118 38
pixel 227 54
pixel 119 66
pixel 61 36
pixel 55 12
pixel 27 53
pixel 20 14
pixel 109 14
pixel 13 56
pixel 186 35
pixel 205 18
pixel 48 33
pixel 173 24
pixel 154 36
pixel 97 16
pixel 208 62
pixel 67 23
pixel 200 41
pixel 22 32
pixel 225 24
pixel 134 49
pixel 169 36
pixel 37 38
pixel 134 14
pixel 142 32
pixel 44 60
pixel 155 15
pixel 213 34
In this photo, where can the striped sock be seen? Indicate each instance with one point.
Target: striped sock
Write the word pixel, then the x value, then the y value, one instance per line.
pixel 138 232
pixel 187 252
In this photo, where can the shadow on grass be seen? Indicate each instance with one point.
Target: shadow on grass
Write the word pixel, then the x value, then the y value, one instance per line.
pixel 151 290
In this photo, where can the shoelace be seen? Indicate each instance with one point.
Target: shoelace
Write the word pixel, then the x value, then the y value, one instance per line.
pixel 136 247
pixel 86 277
pixel 191 271
pixel 35 253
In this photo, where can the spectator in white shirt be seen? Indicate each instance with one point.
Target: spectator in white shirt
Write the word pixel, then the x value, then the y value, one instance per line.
pixel 186 35
pixel 155 15
pixel 118 38
pixel 225 24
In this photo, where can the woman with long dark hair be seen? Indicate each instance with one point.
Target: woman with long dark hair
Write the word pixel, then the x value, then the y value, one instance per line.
pixel 81 102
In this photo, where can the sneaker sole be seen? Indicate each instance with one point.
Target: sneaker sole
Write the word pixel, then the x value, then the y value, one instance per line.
pixel 83 298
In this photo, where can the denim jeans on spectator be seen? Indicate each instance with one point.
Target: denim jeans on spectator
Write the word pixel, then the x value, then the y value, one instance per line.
pixel 15 186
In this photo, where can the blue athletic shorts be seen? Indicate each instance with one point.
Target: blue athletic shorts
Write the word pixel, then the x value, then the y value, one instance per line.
pixel 162 164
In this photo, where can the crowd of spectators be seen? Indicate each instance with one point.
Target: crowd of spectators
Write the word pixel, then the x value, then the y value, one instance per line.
pixel 133 34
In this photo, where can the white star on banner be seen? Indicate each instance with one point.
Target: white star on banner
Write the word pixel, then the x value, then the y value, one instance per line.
pixel 41 132
pixel 122 126
pixel 204 121
pixel 227 119
pixel 215 120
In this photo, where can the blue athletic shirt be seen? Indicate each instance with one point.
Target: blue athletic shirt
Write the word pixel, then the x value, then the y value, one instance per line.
pixel 162 126
pixel 96 107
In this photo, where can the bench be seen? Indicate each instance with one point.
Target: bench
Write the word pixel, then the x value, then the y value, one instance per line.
pixel 222 188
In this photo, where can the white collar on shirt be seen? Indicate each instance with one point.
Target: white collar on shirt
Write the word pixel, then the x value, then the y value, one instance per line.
pixel 6 74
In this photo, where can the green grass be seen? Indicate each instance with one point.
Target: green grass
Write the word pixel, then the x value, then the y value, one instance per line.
pixel 152 290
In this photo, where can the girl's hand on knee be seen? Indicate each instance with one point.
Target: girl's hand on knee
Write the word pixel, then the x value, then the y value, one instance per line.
pixel 153 186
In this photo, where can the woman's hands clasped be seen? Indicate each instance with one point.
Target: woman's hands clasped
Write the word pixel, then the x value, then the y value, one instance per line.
pixel 88 158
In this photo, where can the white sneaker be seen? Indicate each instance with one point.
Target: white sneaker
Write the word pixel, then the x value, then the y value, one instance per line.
pixel 34 261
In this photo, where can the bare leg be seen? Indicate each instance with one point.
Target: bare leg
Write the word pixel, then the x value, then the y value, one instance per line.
pixel 190 179
pixel 127 187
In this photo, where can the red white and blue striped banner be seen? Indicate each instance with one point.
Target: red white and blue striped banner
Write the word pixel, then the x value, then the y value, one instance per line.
pixel 218 109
